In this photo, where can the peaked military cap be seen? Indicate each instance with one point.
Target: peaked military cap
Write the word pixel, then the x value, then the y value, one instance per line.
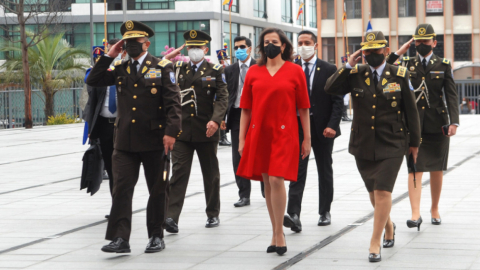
pixel 424 31
pixel 196 38
pixel 374 40
pixel 135 29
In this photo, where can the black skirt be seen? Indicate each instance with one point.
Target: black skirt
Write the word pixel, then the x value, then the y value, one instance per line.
pixel 433 153
pixel 379 174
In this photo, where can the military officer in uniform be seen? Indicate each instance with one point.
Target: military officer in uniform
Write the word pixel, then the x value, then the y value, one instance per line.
pixel 430 74
pixel 148 121
pixel 204 103
pixel 384 119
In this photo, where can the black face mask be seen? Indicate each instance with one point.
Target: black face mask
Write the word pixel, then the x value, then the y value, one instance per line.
pixel 423 49
pixel 272 51
pixel 375 59
pixel 134 48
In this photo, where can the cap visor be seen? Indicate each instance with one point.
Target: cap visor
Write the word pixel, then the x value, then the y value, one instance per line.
pixel 421 38
pixel 195 43
pixel 373 46
pixel 132 36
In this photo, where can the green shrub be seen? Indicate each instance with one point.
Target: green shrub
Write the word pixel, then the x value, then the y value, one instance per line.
pixel 62 119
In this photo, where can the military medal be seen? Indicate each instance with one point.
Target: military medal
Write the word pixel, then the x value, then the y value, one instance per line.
pixel 154 91
pixel 394 104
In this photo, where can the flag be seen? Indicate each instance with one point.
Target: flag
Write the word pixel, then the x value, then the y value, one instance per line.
pixel 300 10
pixel 229 2
pixel 369 27
pixel 85 133
pixel 344 17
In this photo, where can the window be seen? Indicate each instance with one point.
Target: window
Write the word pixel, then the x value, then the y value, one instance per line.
pixel 411 51
pixel 313 13
pixel 328 9
pixel 379 8
pixel 406 8
pixel 328 50
pixel 302 18
pixel 150 4
pixel 235 33
pixel 354 44
pixel 235 7
pixel 287 11
pixel 463 47
pixel 434 8
pixel 354 9
pixel 289 36
pixel 439 49
pixel 256 39
pixel 114 5
pixel 462 7
pixel 259 8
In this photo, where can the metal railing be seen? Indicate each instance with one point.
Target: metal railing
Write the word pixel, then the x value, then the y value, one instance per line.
pixel 469 89
pixel 12 105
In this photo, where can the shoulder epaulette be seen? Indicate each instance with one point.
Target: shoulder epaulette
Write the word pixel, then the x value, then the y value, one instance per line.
pixel 446 61
pixel 179 64
pixel 164 62
pixel 402 71
pixel 118 63
pixel 354 69
pixel 217 66
pixel 406 58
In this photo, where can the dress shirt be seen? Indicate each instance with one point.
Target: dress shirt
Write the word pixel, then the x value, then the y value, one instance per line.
pixel 240 89
pixel 379 69
pixel 311 67
pixel 426 58
pixel 105 112
pixel 198 64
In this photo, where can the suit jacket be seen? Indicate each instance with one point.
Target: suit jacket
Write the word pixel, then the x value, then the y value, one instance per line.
pixel 211 96
pixel 232 74
pixel 96 99
pixel 384 114
pixel 148 102
pixel 326 109
pixel 438 76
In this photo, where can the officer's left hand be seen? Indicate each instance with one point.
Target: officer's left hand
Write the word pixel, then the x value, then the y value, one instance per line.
pixel 414 151
pixel 452 130
pixel 168 143
pixel 329 133
pixel 212 127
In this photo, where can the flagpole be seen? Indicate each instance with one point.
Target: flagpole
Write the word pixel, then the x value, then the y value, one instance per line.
pixel 230 41
pixel 105 26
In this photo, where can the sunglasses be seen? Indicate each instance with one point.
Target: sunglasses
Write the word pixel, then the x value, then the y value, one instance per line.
pixel 241 47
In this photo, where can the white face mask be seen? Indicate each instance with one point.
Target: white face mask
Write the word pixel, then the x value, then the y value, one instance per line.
pixel 306 51
pixel 196 54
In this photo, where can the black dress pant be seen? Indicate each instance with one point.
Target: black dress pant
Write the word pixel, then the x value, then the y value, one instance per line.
pixel 244 185
pixel 322 148
pixel 126 168
pixel 182 157
pixel 104 131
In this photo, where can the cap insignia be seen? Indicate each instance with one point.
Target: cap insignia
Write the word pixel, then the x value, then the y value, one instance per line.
pixel 129 25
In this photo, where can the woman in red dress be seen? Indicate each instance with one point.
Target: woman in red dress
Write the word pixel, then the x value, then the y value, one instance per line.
pixel 273 91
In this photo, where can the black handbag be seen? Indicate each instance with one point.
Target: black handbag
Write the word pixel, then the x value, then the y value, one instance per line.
pixel 93 166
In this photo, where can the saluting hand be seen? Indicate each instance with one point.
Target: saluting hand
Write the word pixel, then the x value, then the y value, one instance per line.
pixel 404 47
pixel 174 53
pixel 355 58
pixel 212 127
pixel 168 143
pixel 116 49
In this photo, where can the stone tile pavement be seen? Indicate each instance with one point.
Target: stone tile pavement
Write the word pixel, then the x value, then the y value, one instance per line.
pixel 47 223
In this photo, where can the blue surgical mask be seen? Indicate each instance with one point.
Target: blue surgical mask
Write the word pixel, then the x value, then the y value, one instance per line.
pixel 241 54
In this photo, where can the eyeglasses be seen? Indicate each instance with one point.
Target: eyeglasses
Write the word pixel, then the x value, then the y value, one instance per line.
pixel 241 47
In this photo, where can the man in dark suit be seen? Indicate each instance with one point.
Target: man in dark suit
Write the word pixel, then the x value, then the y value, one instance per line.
pixel 101 113
pixel 235 75
pixel 147 124
pixel 325 115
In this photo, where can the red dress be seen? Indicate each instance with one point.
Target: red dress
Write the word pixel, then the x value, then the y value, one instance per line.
pixel 272 143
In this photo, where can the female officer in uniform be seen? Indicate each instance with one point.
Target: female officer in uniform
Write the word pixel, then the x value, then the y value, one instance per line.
pixel 385 112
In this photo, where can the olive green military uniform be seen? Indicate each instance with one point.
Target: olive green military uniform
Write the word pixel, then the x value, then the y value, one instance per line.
pixel 148 108
pixel 207 101
pixel 432 85
pixel 385 115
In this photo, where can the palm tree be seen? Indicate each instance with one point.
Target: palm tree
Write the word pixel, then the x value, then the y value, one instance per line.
pixel 53 62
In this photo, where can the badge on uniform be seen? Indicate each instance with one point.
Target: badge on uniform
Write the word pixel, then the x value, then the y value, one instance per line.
pixel 391 88
pixel 394 104
pixel 153 73
pixel 207 78
pixel 172 77
pixel 223 78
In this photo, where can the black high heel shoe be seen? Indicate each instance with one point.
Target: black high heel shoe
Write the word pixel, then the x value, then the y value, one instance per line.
pixel 282 250
pixel 436 221
pixel 271 249
pixel 389 243
pixel 374 257
pixel 415 223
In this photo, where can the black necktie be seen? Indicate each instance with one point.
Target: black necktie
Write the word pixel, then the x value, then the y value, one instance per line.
pixel 375 78
pixel 307 76
pixel 134 67
pixel 194 69
pixel 424 62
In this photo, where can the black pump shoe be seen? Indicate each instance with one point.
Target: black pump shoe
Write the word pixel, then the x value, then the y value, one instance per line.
pixel 271 249
pixel 415 223
pixel 436 221
pixel 374 257
pixel 389 243
pixel 282 250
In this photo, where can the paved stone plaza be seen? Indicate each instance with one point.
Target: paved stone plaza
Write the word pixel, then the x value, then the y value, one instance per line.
pixel 46 222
